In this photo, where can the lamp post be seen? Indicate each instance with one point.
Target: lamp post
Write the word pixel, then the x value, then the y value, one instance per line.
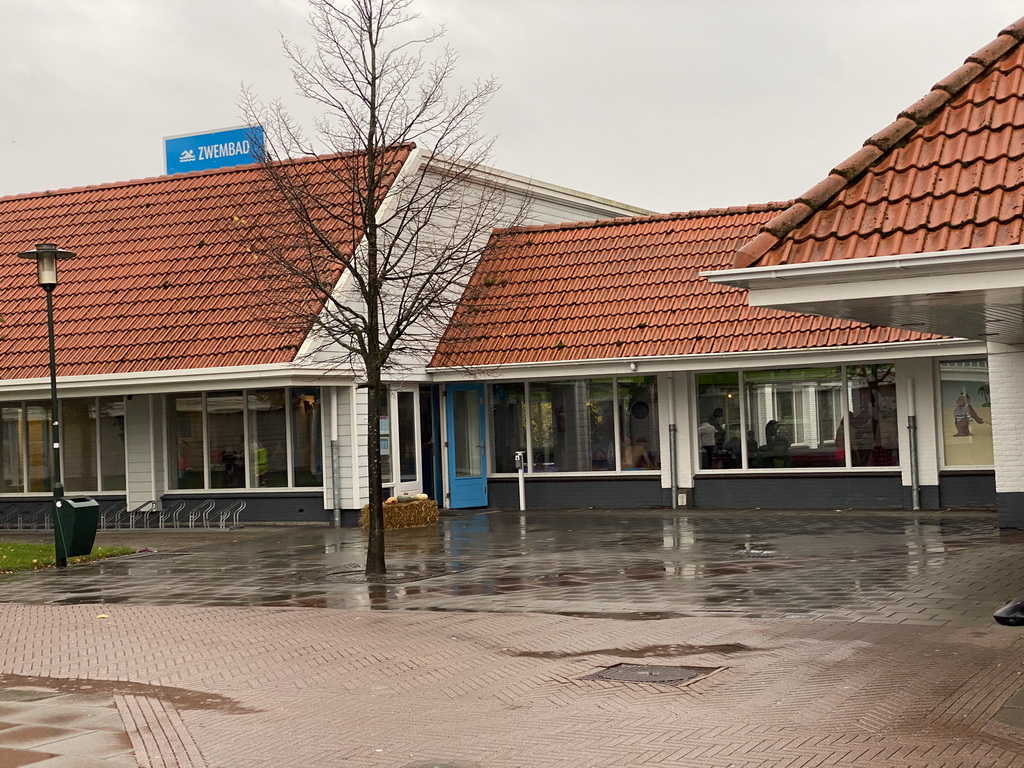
pixel 46 256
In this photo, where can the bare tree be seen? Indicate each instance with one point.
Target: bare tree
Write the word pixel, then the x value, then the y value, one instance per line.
pixel 367 255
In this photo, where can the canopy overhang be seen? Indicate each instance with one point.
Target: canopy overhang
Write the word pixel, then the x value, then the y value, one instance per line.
pixel 972 294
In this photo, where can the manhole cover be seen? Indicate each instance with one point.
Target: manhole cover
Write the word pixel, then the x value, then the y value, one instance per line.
pixel 652 673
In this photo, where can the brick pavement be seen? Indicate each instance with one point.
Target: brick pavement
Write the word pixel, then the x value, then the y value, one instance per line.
pixel 234 687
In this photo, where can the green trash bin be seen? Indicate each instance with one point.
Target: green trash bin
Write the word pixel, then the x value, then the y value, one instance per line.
pixel 74 526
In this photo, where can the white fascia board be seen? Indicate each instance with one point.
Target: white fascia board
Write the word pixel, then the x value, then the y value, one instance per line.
pixel 782 358
pixel 972 269
pixel 411 165
pixel 191 379
pixel 542 190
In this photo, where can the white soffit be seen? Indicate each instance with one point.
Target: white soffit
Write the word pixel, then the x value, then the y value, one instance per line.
pixel 976 294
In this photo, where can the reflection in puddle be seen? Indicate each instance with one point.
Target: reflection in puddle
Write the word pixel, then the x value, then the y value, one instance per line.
pixel 181 698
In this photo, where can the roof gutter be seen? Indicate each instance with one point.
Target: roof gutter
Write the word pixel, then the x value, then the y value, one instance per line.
pixel 644 366
pixel 937 264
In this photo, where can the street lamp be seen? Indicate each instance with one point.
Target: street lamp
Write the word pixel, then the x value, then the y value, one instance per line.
pixel 46 256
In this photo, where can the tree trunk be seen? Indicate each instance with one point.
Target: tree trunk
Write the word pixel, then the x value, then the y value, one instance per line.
pixel 376 404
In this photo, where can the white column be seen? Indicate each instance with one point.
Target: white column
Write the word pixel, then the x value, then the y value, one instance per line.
pixel 1006 380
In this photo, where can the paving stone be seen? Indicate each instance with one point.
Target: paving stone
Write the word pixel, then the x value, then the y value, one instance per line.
pixel 247 652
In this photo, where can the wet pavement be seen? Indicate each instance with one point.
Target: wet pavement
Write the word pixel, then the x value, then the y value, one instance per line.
pixel 951 568
pixel 508 640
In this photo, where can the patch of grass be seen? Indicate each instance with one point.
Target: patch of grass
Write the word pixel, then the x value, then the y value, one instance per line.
pixel 21 556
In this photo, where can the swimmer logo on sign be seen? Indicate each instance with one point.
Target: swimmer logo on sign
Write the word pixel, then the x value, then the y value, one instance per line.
pixel 217 149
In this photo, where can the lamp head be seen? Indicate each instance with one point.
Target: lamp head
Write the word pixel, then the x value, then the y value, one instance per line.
pixel 46 255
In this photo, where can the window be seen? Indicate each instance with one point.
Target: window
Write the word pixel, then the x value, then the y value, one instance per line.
pixel 719 425
pixel 268 439
pixel 874 433
pixel 576 425
pixel 793 414
pixel 91 445
pixel 508 424
pixel 307 453
pixel 264 438
pixel 966 413
pixel 799 418
pixel 40 438
pixel 638 423
pixel 113 474
pixel 12 444
pixel 407 454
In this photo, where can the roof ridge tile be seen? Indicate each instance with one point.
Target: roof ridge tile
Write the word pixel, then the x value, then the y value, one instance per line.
pixel 736 210
pixel 989 54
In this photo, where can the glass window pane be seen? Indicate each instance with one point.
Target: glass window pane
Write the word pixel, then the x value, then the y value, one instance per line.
pixel 112 460
pixel 719 429
pixel 598 430
pixel 78 444
pixel 572 425
pixel 508 424
pixel 268 440
pixel 307 454
pixel 966 413
pixel 11 446
pixel 794 415
pixel 407 454
pixel 40 446
pixel 542 428
pixel 874 434
pixel 468 461
pixel 638 421
pixel 224 422
pixel 186 428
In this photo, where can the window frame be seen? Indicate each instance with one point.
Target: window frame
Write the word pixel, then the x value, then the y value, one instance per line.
pixel 745 468
pixel 250 456
pixel 614 381
pixel 25 446
pixel 940 435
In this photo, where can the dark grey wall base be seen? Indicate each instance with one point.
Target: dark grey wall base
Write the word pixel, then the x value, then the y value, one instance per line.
pixel 928 497
pixel 1010 509
pixel 577 492
pixel 799 492
pixel 301 507
pixel 967 489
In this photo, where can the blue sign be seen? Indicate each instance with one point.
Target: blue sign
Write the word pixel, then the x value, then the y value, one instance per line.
pixel 220 149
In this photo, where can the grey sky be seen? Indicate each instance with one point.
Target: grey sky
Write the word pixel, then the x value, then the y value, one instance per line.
pixel 667 104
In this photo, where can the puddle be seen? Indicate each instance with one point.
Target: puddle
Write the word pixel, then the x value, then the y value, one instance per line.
pixel 181 698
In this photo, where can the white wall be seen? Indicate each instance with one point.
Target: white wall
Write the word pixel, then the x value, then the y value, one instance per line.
pixel 1006 379
pixel 144 448
pixel 922 372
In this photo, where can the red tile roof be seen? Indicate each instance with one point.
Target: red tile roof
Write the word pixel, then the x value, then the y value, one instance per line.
pixel 948 174
pixel 625 288
pixel 163 279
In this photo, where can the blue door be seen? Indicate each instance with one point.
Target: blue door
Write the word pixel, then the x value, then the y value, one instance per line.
pixel 467 459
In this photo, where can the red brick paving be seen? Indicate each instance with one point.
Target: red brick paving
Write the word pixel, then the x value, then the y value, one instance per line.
pixel 313 687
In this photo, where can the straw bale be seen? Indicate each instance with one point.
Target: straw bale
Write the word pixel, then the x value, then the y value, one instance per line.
pixel 407 514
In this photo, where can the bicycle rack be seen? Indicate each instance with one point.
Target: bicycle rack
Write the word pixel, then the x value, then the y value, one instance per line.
pixel 111 516
pixel 200 513
pixel 231 512
pixel 171 514
pixel 143 513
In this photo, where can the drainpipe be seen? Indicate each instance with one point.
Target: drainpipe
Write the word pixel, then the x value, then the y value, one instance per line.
pixel 672 441
pixel 521 467
pixel 335 456
pixel 915 491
